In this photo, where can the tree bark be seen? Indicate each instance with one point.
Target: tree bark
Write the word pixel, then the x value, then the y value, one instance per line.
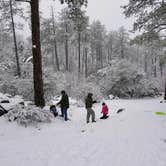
pixel 37 58
pixel 15 41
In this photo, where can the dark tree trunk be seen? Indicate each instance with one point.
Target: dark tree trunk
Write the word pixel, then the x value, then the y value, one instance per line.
pixel 53 60
pixel 55 42
pixel 165 91
pixel 110 53
pixel 83 60
pixel 79 52
pixel 15 41
pixel 161 70
pixel 97 57
pixel 56 55
pixel 101 57
pixel 152 67
pixel 37 58
pixel 145 61
pixel 86 62
pixel 122 53
pixel 66 48
pixel 92 55
pixel 155 67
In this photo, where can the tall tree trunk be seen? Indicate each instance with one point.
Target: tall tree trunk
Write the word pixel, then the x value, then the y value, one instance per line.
pixel 86 62
pixel 152 67
pixel 53 60
pixel 97 57
pixel 15 41
pixel 79 52
pixel 110 49
pixel 155 67
pixel 122 52
pixel 37 58
pixel 101 56
pixel 55 42
pixel 92 55
pixel 161 69
pixel 145 64
pixel 165 91
pixel 83 60
pixel 108 52
pixel 66 48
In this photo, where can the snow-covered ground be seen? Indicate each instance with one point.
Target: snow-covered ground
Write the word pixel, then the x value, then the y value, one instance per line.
pixel 135 137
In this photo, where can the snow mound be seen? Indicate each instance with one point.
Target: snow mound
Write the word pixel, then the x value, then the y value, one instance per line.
pixel 29 115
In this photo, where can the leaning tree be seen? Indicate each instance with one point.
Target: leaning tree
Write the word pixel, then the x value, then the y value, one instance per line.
pixel 150 17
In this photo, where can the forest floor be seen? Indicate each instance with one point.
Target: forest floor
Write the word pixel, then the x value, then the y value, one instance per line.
pixel 134 137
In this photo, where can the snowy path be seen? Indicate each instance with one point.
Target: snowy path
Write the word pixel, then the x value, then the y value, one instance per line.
pixel 135 137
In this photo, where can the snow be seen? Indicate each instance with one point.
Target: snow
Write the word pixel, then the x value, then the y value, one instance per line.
pixel 134 137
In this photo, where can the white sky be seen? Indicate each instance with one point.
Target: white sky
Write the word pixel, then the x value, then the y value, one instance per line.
pixel 107 11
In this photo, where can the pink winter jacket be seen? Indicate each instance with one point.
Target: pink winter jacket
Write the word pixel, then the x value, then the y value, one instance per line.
pixel 105 110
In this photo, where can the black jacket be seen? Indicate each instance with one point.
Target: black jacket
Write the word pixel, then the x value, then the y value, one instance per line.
pixel 88 102
pixel 64 102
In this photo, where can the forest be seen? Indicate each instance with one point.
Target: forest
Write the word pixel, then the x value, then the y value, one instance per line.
pixel 77 92
pixel 67 51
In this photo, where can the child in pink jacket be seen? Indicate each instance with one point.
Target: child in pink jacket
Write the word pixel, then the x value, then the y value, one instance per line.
pixel 104 111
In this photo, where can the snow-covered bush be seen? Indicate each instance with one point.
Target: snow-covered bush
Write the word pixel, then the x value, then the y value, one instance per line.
pixel 15 86
pixel 30 115
pixel 75 87
pixel 125 79
pixel 82 89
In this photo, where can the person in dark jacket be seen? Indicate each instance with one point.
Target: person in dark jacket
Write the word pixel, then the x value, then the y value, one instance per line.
pixel 88 104
pixel 64 104
pixel 53 110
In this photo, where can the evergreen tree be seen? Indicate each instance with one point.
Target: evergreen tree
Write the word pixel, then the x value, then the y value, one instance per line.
pixel 9 9
pixel 151 17
pixel 36 47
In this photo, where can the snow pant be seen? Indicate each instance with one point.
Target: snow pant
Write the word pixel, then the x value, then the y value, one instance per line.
pixel 64 113
pixel 90 112
pixel 104 116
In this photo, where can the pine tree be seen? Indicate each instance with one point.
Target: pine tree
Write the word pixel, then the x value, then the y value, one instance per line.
pixel 151 17
pixel 36 47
